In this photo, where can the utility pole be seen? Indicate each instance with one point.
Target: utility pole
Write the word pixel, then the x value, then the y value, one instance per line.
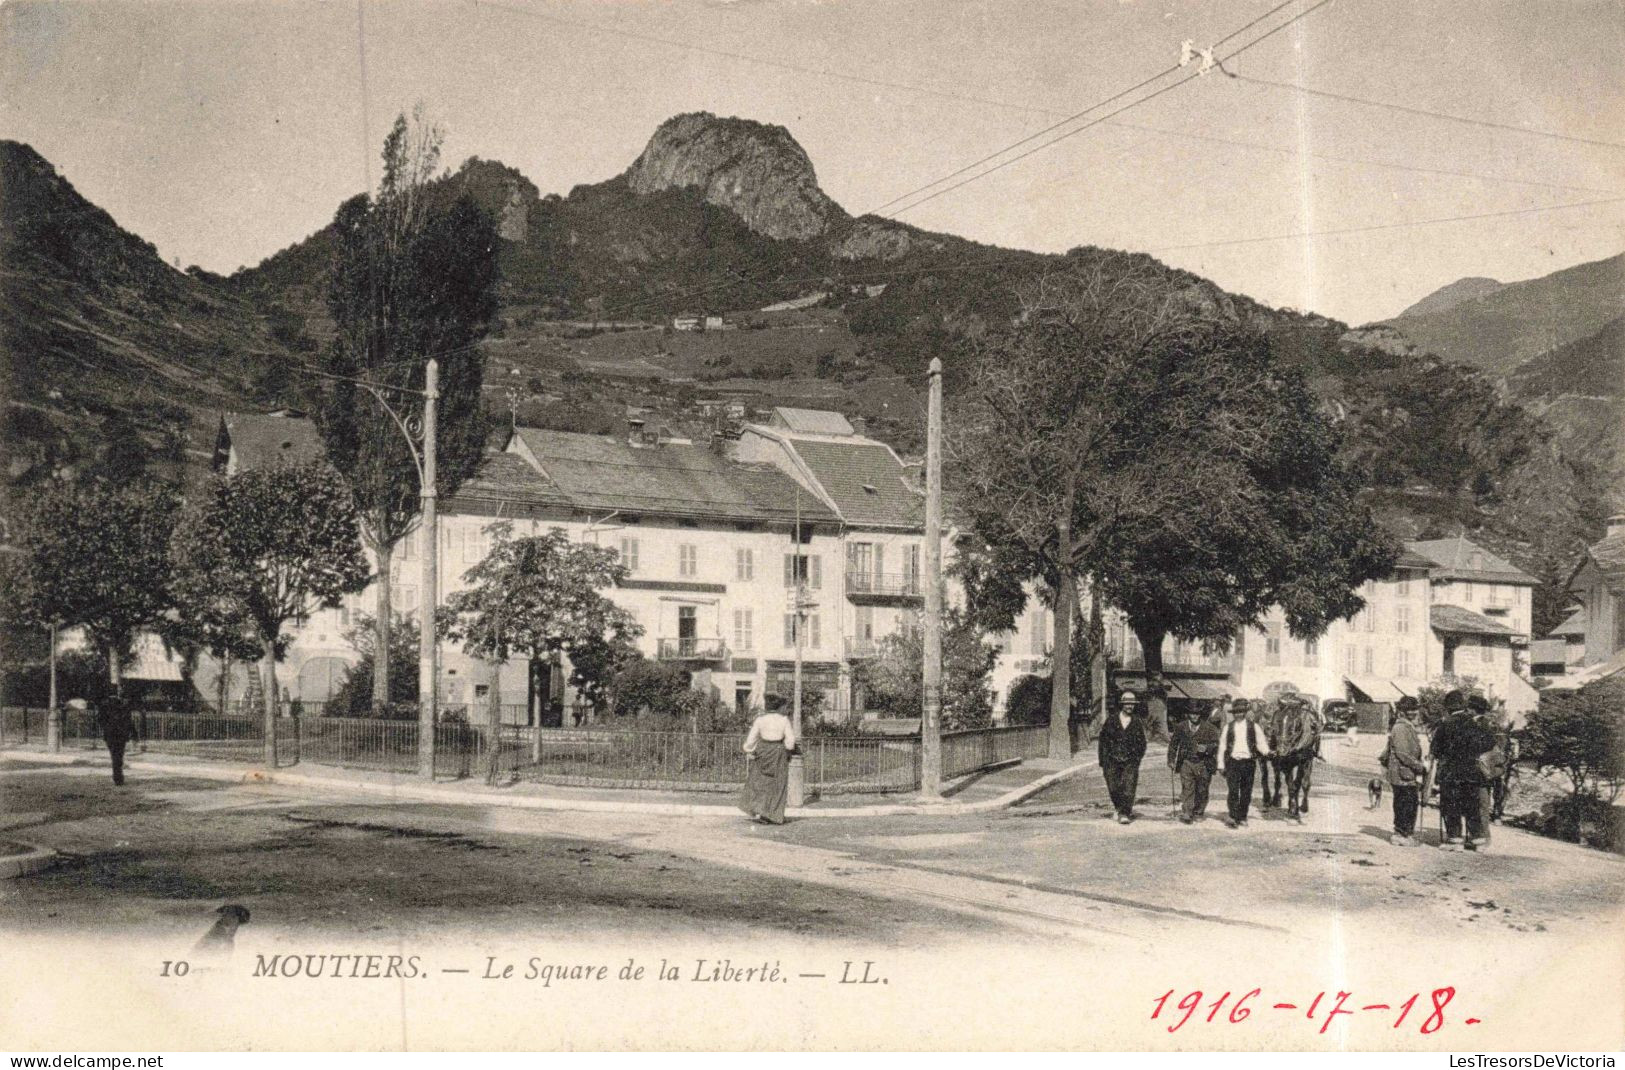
pixel 53 716
pixel 428 693
pixel 931 714
pixel 797 775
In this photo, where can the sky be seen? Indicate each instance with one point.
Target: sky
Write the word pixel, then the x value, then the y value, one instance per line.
pixel 224 131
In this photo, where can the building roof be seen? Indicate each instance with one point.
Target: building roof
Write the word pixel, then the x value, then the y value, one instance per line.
pixel 508 477
pixel 867 483
pixel 596 472
pixel 1548 652
pixel 264 441
pixel 1454 559
pixel 1574 625
pixel 1590 675
pixel 1609 555
pixel 1409 558
pixel 1454 620
pixel 811 421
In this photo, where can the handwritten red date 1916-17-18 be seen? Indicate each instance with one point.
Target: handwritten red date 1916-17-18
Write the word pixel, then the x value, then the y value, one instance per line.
pixel 1233 1009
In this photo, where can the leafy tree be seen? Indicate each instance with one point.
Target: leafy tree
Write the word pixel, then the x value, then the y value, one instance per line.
pixel 94 555
pixel 266 546
pixel 1141 436
pixel 414 275
pixel 895 680
pixel 1580 734
pixel 540 595
pixel 354 695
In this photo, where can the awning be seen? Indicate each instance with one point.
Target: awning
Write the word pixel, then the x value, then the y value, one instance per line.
pixel 1375 690
pixel 1589 675
pixel 1204 690
pixel 1192 687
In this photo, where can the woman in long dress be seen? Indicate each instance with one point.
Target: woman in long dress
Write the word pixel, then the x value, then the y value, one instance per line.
pixel 767 764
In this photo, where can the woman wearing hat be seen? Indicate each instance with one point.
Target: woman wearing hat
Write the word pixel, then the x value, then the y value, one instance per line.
pixel 1122 746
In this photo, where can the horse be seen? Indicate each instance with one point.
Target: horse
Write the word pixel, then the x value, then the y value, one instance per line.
pixel 1293 732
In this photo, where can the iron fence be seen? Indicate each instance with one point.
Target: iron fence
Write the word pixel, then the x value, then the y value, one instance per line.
pixel 587 755
pixel 978 748
pixel 22 724
pixel 841 764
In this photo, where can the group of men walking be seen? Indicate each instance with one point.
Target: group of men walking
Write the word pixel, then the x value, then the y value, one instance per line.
pixel 1229 741
pixel 1468 759
pixel 1472 754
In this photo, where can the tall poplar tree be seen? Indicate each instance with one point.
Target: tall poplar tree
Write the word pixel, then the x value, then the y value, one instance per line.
pixel 414 276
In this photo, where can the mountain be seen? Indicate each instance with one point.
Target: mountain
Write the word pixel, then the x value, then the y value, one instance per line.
pixel 101 338
pixel 724 214
pixel 757 172
pixel 1502 327
pixel 1579 389
pixel 1454 294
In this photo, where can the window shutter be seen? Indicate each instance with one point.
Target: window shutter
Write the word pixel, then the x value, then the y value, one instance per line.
pixel 789 629
pixel 812 629
pixel 789 570
pixel 816 571
pixel 880 560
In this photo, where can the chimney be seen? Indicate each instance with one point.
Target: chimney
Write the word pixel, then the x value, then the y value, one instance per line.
pixel 860 426
pixel 1616 524
pixel 634 432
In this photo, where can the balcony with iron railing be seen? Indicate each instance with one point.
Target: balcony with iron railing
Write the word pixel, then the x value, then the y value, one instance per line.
pixel 691 648
pixel 884 586
pixel 861 649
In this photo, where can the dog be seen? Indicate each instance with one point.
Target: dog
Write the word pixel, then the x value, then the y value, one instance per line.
pixel 215 946
pixel 1373 791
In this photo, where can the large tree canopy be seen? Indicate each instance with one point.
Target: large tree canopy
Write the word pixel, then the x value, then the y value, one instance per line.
pixel 414 275
pixel 542 595
pixel 94 555
pixel 1140 436
pixel 266 546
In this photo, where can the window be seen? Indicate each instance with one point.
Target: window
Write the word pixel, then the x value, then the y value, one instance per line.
pixel 1402 663
pixel 1403 588
pixel 860 564
pixel 1311 653
pixel 1369 589
pixel 804 568
pixel 1486 650
pixel 404 597
pixel 1370 660
pixel 863 622
pixel 409 547
pixel 744 564
pixel 1272 643
pixel 1467 593
pixel 1348 659
pixel 1402 619
pixel 1476 562
pixel 688 565
pixel 810 638
pixel 911 568
pixel 1039 629
pixel 1370 616
pixel 743 638
pixel 629 554
pixel 473 546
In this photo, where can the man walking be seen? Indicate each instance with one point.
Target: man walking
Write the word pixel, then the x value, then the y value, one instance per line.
pixel 113 713
pixel 1457 744
pixel 1241 744
pixel 1402 760
pixel 1122 746
pixel 1192 753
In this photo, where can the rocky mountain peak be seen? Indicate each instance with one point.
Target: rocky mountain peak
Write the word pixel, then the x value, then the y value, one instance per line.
pixel 754 170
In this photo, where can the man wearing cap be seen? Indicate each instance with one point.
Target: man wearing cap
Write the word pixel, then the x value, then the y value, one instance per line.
pixel 1402 761
pixel 1192 752
pixel 1122 746
pixel 1241 744
pixel 1457 744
